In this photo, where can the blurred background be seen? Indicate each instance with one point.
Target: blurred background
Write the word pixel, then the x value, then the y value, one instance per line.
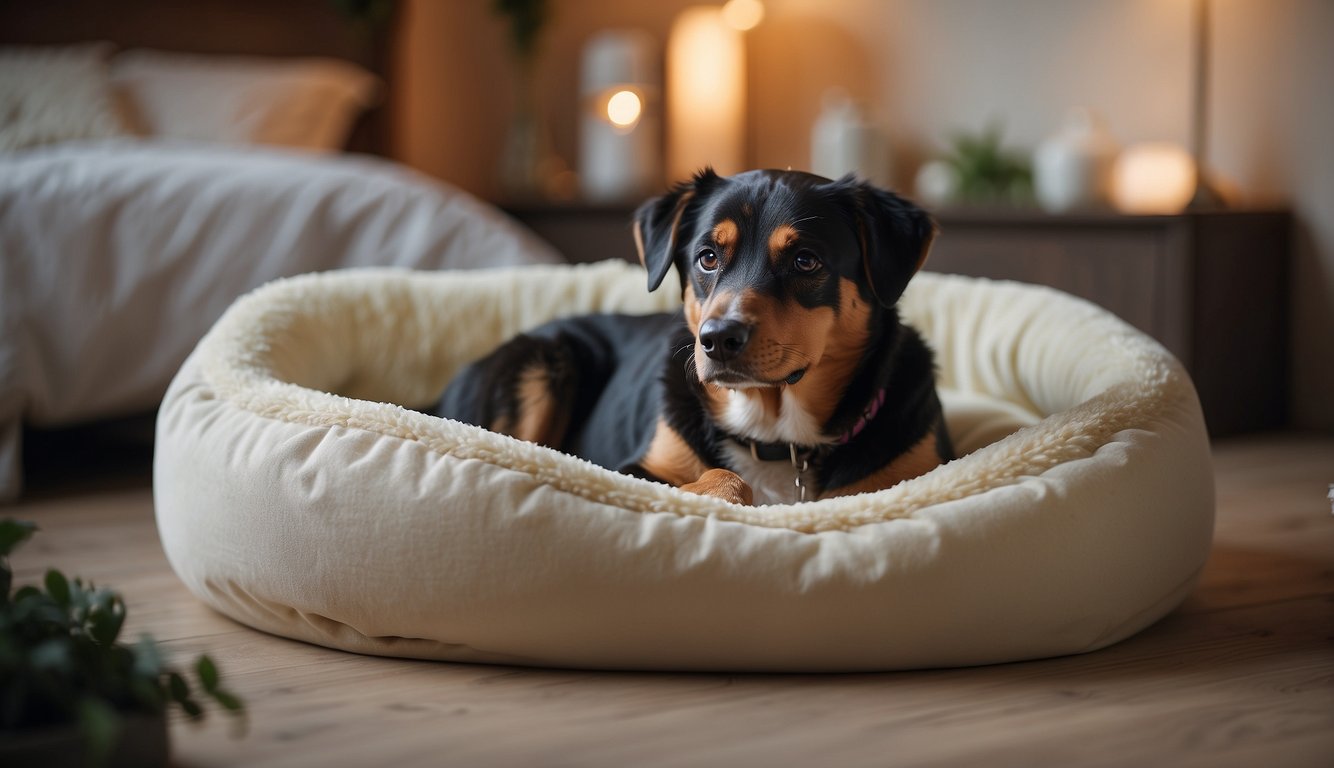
pixel 1243 83
pixel 1168 160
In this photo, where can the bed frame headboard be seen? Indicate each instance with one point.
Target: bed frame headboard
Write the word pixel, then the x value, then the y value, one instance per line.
pixel 246 27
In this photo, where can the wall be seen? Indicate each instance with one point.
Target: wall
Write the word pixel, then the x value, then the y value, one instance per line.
pixel 929 68
pixel 1272 130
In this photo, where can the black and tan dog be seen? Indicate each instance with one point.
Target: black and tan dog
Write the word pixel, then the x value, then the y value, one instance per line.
pixel 788 373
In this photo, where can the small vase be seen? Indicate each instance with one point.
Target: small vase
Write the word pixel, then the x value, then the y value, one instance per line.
pixel 936 184
pixel 845 140
pixel 1072 169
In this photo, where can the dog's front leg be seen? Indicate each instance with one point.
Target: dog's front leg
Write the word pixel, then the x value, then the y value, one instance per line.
pixel 724 485
pixel 671 460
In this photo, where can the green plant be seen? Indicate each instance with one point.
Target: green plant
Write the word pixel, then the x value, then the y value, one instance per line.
pixel 986 172
pixel 60 662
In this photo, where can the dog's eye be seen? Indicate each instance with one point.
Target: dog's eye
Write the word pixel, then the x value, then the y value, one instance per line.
pixel 807 262
pixel 707 260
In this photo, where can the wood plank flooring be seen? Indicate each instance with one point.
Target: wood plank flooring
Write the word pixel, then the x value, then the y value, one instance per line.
pixel 1241 675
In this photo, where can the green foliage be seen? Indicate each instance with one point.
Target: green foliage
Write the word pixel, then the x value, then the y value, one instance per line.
pixel 526 19
pixel 61 662
pixel 987 173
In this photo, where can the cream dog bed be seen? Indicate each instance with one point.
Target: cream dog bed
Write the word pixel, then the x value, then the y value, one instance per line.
pixel 342 520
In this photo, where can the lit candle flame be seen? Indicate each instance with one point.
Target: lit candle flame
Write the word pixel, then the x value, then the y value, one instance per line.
pixel 624 108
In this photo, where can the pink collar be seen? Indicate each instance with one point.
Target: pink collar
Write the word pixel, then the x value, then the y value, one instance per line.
pixel 872 409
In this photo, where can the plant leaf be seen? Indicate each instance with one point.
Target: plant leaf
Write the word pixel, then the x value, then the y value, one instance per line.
pixel 177 687
pixel 57 586
pixel 53 655
pixel 227 700
pixel 27 593
pixel 192 708
pixel 106 619
pixel 208 673
pixel 13 533
pixel 235 709
pixel 147 660
pixel 148 693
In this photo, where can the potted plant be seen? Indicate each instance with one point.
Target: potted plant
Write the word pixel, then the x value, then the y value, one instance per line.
pixel 977 170
pixel 70 693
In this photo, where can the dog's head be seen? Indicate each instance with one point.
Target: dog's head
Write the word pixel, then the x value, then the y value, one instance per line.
pixel 783 273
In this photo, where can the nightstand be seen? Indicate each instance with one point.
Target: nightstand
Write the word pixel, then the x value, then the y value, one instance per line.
pixel 1212 287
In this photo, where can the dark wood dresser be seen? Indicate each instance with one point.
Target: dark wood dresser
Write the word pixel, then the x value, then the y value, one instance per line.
pixel 1211 286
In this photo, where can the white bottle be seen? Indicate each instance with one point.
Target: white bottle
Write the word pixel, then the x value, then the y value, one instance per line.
pixel 844 140
pixel 1072 169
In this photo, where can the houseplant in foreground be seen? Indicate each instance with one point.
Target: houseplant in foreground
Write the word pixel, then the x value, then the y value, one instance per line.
pixel 70 693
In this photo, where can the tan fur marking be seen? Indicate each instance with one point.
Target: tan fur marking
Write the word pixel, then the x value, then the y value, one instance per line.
pixel 782 236
pixel 917 461
pixel 676 223
pixel 693 309
pixel 639 244
pixel 724 485
pixel 670 459
pixel 926 249
pixel 537 408
pixel 725 235
pixel 717 304
pixel 845 346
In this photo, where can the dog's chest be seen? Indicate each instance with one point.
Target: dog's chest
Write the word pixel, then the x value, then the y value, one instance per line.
pixel 773 482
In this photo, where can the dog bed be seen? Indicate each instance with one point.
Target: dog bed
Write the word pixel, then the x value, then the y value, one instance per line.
pixel 294 496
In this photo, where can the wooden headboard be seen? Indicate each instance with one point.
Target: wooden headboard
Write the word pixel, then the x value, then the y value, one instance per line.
pixel 243 27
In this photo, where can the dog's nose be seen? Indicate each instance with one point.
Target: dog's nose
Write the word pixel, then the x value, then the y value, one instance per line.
pixel 723 339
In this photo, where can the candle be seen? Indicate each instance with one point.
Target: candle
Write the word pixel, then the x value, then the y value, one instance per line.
pixel 619 142
pixel 1153 178
pixel 706 94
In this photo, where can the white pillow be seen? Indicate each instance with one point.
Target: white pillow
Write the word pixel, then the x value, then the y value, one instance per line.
pixel 309 103
pixel 52 94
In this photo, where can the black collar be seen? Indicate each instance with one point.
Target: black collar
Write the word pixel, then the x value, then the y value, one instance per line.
pixel 771 451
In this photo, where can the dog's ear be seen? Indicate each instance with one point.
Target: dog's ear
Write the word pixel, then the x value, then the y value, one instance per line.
pixel 895 237
pixel 659 221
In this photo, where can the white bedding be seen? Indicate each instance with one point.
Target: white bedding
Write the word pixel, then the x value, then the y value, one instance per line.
pixel 116 257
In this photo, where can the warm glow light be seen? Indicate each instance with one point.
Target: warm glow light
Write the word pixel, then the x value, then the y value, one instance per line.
pixel 743 14
pixel 706 94
pixel 620 137
pixel 624 108
pixel 1153 178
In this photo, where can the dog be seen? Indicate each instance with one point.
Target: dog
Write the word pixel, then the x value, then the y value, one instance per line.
pixel 787 376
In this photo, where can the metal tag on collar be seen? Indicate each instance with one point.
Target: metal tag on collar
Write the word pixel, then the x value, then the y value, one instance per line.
pixel 799 466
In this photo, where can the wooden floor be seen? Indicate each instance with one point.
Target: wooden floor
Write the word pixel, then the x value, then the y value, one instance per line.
pixel 1242 674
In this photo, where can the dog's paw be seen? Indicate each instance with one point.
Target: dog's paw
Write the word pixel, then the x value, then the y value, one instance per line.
pixel 724 485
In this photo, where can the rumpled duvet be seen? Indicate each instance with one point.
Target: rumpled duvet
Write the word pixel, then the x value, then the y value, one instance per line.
pixel 116 257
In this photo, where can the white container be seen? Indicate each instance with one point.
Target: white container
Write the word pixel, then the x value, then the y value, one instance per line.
pixel 845 140
pixel 1072 170
pixel 619 125
pixel 936 184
